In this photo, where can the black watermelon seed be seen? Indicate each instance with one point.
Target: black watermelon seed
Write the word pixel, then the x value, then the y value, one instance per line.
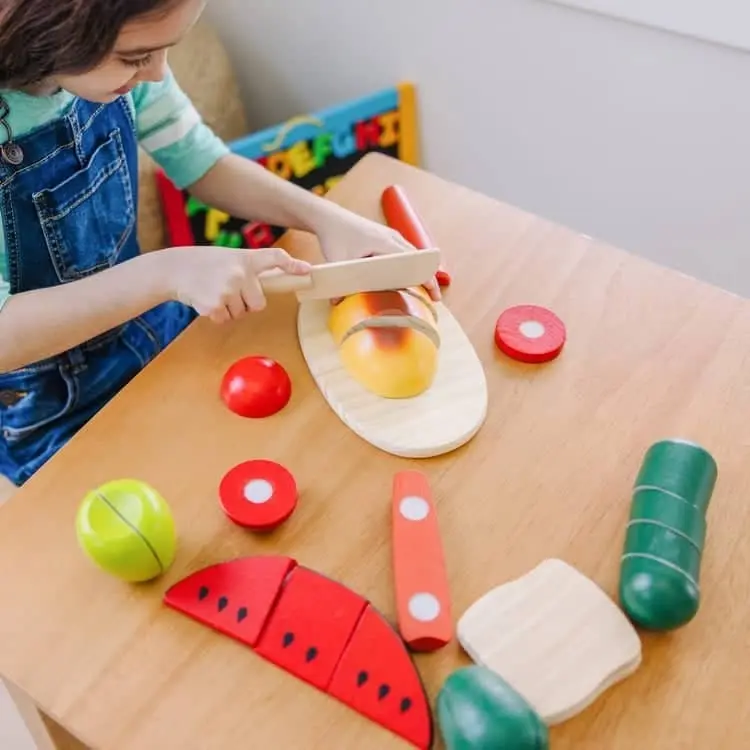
pixel 312 652
pixel 202 592
pixel 223 601
pixel 405 704
pixel 383 690
pixel 362 678
pixel 241 614
pixel 288 639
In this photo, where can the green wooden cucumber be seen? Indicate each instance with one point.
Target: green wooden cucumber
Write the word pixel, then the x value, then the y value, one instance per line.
pixel 478 710
pixel 655 507
pixel 661 561
pixel 682 468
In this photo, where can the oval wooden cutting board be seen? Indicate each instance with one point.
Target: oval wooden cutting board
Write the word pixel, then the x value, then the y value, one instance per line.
pixel 443 418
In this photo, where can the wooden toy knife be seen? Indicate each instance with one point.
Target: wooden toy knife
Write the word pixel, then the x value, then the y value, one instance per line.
pixel 343 278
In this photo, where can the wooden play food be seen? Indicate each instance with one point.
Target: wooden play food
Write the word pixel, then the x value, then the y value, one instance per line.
pixel 320 631
pixel 530 333
pixel 439 419
pixel 400 215
pixel 258 494
pixel 555 636
pixel 256 387
pixel 388 341
pixel 126 528
pixel 420 576
pixel 478 710
pixel 666 533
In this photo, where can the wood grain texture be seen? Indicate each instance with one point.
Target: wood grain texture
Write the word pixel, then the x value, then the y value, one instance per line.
pixel 651 353
pixel 445 417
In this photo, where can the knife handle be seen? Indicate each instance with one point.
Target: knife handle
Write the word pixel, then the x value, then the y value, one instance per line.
pixel 279 282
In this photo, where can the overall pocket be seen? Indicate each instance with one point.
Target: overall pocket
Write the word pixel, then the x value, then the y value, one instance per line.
pixel 32 399
pixel 88 217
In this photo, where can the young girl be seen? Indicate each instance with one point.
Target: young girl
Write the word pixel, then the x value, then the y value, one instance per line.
pixel 82 82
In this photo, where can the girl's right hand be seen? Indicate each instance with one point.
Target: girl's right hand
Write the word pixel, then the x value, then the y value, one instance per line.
pixel 222 283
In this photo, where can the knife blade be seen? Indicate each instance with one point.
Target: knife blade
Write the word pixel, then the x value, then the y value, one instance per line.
pixel 346 277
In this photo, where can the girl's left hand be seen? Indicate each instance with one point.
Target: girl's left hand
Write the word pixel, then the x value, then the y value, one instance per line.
pixel 348 236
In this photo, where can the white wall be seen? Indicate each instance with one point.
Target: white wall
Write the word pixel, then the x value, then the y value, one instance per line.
pixel 723 21
pixel 634 135
pixel 13 732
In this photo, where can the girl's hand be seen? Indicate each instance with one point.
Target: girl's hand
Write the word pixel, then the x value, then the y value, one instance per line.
pixel 345 235
pixel 222 283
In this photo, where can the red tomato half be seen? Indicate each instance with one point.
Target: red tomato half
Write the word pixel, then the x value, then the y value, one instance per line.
pixel 256 387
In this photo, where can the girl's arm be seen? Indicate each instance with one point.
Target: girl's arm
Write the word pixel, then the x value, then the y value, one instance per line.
pixel 217 282
pixel 45 322
pixel 247 190
pixel 171 130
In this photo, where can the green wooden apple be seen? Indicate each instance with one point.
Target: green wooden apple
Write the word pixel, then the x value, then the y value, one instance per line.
pixel 127 529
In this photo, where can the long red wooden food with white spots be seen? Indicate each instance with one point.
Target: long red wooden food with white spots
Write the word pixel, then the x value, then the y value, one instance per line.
pixel 420 577
pixel 318 630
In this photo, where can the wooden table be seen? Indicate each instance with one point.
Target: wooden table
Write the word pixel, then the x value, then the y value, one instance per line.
pixel 651 353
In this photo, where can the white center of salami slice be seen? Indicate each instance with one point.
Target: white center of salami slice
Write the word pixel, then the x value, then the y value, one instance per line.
pixel 414 508
pixel 424 607
pixel 258 491
pixel 532 329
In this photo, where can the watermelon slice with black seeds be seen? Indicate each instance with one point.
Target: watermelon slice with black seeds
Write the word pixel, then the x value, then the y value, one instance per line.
pixel 235 598
pixel 316 629
pixel 377 678
pixel 308 630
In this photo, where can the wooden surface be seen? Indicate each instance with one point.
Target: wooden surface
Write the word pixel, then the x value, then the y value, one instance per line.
pixel 7 489
pixel 61 738
pixel 650 354
pixel 45 733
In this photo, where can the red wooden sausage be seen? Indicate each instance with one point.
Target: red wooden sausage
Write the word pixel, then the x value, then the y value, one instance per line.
pixel 401 216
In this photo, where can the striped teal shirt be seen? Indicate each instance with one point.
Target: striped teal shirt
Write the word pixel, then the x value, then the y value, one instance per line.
pixel 168 128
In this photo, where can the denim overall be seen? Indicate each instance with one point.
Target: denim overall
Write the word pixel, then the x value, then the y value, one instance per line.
pixel 69 209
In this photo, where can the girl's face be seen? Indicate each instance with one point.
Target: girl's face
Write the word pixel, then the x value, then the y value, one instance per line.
pixel 140 54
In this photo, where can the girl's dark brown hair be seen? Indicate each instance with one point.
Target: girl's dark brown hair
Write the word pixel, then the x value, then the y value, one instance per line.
pixel 41 38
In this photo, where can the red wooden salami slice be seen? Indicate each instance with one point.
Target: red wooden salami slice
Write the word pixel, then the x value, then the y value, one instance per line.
pixel 258 494
pixel 529 333
pixel 235 598
pixel 310 627
pixel 376 677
